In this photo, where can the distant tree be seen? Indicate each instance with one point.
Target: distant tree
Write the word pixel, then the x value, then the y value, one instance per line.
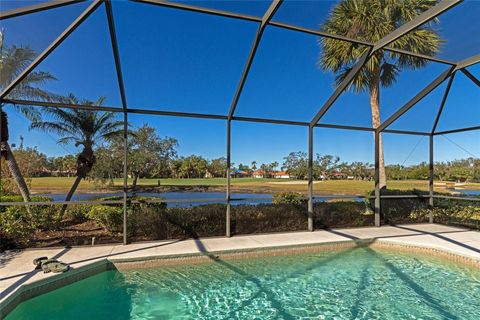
pixel 149 154
pixel 31 162
pixel 325 164
pixel 218 167
pixel 361 170
pixel 274 165
pixel 371 20
pixel 296 164
pixel 245 168
pixel 254 165
pixel 265 168
pixel 193 167
pixel 108 165
pixel 59 165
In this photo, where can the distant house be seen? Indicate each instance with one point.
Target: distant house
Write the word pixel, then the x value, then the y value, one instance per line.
pixel 259 174
pixel 268 174
pixel 281 175
pixel 338 175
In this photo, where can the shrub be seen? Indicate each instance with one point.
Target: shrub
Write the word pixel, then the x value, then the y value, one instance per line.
pixel 269 218
pixel 77 212
pixel 460 214
pixel 143 218
pixel 193 222
pixel 109 217
pixel 43 217
pixel 289 198
pixel 398 210
pixel 17 224
pixel 147 219
pixel 342 214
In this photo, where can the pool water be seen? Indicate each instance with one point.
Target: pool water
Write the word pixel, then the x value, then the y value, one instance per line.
pixel 360 283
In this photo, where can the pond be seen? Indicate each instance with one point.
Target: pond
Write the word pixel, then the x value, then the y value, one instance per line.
pixel 468 192
pixel 201 197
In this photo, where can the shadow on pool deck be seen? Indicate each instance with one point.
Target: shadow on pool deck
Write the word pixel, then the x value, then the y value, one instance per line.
pixel 98 257
pixel 440 236
pixel 26 276
pixel 7 256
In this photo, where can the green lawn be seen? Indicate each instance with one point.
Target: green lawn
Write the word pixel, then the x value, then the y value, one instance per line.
pixel 349 187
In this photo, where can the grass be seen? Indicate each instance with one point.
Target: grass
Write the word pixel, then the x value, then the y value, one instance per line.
pixel 347 187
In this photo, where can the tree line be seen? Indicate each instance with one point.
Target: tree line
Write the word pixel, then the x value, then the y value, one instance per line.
pixel 152 156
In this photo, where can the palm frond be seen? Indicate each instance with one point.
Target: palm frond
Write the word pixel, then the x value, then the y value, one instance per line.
pixel 53 127
pixel 371 20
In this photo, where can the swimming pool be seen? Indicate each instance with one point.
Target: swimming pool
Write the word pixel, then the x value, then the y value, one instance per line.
pixel 360 283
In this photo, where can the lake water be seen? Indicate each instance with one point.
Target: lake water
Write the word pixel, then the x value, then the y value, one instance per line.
pixel 469 192
pixel 205 197
pixel 201 197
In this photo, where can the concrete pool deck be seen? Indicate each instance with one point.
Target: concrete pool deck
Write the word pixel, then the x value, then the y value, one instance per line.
pixel 17 270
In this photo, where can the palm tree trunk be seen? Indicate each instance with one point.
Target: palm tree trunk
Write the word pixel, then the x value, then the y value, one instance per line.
pixel 135 180
pixel 85 162
pixel 375 107
pixel 69 196
pixel 15 171
pixel 6 153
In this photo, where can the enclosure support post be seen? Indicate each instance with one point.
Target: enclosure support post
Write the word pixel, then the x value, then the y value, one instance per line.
pixel 377 178
pixel 228 214
pixel 1 137
pixel 121 87
pixel 310 178
pixel 430 180
pixel 125 176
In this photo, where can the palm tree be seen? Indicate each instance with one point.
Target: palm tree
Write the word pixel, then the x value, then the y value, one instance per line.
pixel 371 20
pixel 275 165
pixel 13 61
pixel 84 128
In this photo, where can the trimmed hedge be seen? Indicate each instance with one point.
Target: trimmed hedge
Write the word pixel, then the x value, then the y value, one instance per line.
pixel 289 198
pixel 414 210
pixel 154 221
pixel 342 214
pixel 398 210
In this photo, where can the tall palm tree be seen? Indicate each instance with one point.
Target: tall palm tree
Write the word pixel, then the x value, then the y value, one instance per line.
pixel 13 60
pixel 371 20
pixel 84 128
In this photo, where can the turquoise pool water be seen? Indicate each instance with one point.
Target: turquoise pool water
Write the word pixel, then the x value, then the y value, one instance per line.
pixel 358 283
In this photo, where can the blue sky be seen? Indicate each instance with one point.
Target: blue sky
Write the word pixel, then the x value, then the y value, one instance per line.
pixel 184 61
